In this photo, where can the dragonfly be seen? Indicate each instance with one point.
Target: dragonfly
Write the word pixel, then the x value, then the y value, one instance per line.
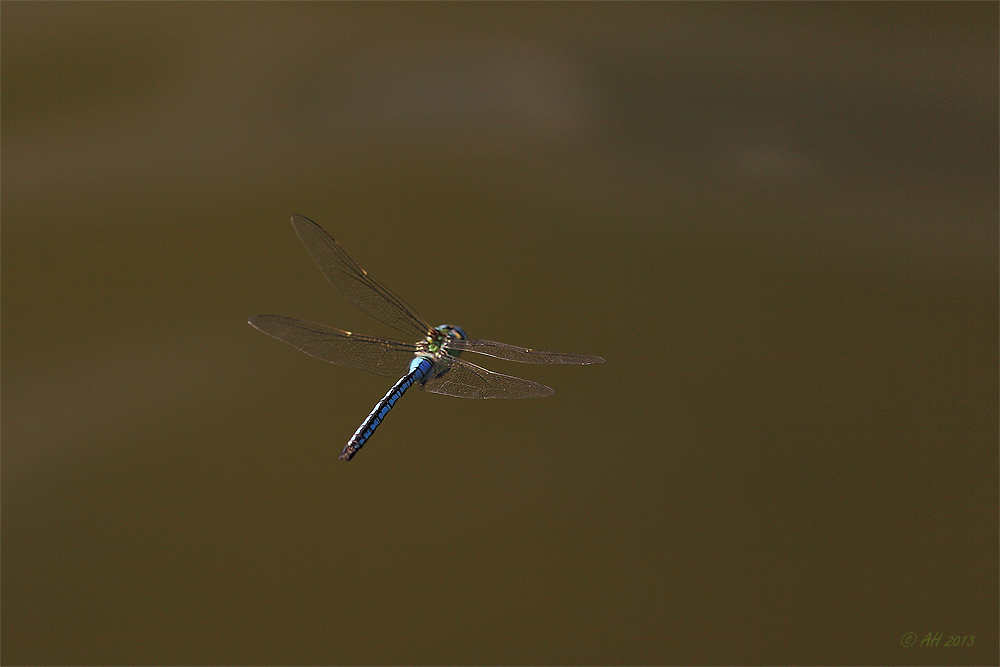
pixel 431 362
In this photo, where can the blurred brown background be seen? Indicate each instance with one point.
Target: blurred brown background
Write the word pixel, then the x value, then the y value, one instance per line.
pixel 777 222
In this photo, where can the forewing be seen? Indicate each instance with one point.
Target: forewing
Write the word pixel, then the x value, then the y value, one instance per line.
pixel 523 355
pixel 354 282
pixel 455 377
pixel 375 355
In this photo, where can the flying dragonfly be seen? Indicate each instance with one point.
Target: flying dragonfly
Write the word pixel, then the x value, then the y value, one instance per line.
pixel 432 362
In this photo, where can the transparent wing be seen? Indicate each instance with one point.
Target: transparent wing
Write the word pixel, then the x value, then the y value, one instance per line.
pixel 454 377
pixel 354 282
pixel 523 355
pixel 375 355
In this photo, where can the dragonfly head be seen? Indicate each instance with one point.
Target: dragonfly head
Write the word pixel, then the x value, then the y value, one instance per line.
pixel 452 331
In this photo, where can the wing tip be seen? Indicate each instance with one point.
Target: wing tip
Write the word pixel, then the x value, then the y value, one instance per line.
pixel 302 225
pixel 260 321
